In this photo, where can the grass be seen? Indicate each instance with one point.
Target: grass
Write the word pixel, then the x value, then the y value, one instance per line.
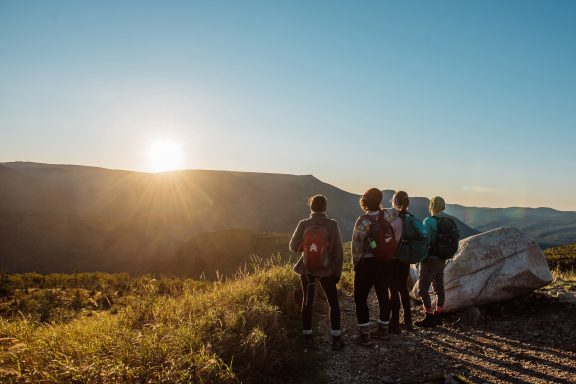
pixel 564 280
pixel 563 257
pixel 165 331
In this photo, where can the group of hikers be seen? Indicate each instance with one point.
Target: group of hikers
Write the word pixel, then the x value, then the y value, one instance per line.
pixel 385 242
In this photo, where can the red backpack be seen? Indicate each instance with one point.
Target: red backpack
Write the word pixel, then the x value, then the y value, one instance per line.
pixel 381 238
pixel 316 247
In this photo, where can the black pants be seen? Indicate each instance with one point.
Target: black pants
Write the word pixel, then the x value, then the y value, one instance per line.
pixel 328 285
pixel 399 278
pixel 373 273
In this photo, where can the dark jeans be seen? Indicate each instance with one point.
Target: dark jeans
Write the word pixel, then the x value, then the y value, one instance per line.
pixel 431 272
pixel 399 278
pixel 328 284
pixel 373 273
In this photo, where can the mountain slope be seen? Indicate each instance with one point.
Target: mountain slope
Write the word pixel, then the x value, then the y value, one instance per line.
pixel 75 218
pixel 547 226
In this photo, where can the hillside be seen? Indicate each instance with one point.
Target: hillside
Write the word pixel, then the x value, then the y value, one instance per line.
pixel 547 226
pixel 66 218
pixel 224 252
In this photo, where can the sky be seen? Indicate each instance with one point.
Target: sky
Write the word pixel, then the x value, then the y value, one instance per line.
pixel 470 100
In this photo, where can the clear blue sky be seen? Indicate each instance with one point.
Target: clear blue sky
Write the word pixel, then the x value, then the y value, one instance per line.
pixel 472 100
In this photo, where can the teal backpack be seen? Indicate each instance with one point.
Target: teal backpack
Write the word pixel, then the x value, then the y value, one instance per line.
pixel 413 246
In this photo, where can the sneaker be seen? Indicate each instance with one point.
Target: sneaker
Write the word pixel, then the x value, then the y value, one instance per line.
pixel 363 338
pixel 394 329
pixel 309 343
pixel 337 343
pixel 381 332
pixel 438 317
pixel 427 322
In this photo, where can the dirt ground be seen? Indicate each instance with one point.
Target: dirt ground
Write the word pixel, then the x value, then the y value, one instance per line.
pixel 527 340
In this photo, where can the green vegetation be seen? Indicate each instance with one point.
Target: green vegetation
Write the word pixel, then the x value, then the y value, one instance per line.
pixel 151 330
pixel 221 253
pixel 562 258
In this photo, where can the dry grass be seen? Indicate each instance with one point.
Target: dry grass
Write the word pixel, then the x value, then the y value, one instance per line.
pixel 229 332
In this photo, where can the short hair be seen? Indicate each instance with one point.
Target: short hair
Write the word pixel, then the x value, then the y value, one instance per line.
pixel 317 203
pixel 371 199
pixel 437 205
pixel 400 201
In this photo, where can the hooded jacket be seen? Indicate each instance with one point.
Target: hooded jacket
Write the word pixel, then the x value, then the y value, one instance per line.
pixel 336 256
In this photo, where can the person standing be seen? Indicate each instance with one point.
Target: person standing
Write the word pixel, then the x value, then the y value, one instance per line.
pixel 372 268
pixel 443 238
pixel 319 240
pixel 401 269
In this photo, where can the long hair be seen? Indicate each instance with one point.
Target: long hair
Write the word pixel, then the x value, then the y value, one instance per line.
pixel 400 201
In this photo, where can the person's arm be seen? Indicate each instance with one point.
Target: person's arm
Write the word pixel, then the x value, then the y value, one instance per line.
pixel 296 242
pixel 390 214
pixel 338 253
pixel 358 236
pixel 430 225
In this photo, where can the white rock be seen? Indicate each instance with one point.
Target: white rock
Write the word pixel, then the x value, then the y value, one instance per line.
pixel 494 266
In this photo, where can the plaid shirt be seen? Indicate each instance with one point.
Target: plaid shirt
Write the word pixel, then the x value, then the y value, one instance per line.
pixel 361 229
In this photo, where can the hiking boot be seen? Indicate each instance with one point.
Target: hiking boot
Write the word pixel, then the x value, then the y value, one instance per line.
pixel 394 328
pixel 337 343
pixel 364 339
pixel 381 332
pixel 428 322
pixel 438 317
pixel 309 343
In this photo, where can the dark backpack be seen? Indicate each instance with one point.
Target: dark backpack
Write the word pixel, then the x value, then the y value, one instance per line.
pixel 381 239
pixel 316 247
pixel 413 246
pixel 445 244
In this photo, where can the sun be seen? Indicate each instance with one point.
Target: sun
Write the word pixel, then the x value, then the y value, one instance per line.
pixel 165 155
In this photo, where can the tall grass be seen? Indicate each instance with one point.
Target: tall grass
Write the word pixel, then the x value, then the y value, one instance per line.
pixel 233 331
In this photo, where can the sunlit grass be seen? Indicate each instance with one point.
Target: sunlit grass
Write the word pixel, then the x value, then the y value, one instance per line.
pixel 225 332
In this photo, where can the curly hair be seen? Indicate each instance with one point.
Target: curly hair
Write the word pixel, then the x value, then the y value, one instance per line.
pixel 371 199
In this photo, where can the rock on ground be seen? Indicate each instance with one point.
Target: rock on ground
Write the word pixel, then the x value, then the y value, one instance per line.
pixel 494 266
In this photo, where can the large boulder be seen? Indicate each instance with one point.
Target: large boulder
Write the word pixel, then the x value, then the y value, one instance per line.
pixel 494 266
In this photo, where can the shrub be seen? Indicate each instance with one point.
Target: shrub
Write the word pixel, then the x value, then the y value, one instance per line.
pixel 563 257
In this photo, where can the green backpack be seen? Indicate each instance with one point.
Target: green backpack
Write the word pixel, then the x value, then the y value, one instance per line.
pixel 413 246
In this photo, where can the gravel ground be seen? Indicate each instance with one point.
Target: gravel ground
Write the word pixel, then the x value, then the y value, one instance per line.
pixel 527 340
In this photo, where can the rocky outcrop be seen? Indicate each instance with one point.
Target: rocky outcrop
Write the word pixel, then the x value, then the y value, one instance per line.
pixel 494 266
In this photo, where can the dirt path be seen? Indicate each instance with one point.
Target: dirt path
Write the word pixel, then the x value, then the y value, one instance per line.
pixel 527 340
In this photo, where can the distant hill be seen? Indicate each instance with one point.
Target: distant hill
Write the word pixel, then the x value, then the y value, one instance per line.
pixel 66 218
pixel 549 227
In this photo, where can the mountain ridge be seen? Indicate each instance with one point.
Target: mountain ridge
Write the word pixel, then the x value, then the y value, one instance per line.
pixel 140 220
